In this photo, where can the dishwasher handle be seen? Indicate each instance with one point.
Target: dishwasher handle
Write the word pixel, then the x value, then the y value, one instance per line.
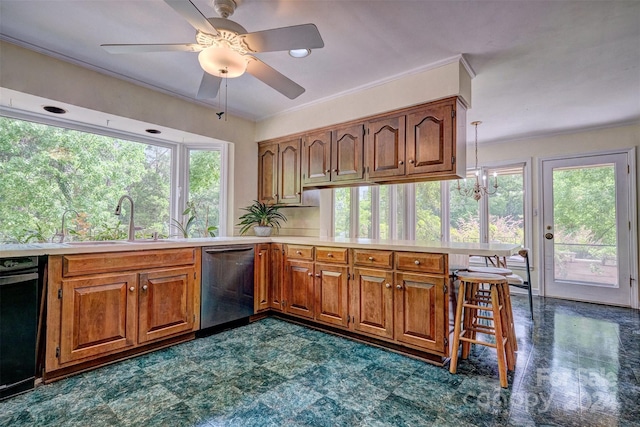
pixel 228 249
pixel 18 278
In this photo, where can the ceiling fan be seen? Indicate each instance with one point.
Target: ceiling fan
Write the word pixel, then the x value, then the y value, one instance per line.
pixel 225 47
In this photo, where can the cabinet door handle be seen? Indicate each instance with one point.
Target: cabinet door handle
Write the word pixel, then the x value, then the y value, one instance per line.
pixel 370 258
pixel 259 253
pixel 388 285
pixel 310 274
pixel 327 171
pixel 131 289
pixel 317 274
pixel 416 262
pixel 145 287
pixel 335 170
pixel 411 161
pixel 401 163
pixel 399 287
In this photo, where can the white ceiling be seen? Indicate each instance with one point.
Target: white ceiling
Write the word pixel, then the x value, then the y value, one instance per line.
pixel 542 67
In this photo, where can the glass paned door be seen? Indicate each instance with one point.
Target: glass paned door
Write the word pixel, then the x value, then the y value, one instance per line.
pixel 586 229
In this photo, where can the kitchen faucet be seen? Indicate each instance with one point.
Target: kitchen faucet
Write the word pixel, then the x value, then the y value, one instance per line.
pixel 132 229
pixel 61 235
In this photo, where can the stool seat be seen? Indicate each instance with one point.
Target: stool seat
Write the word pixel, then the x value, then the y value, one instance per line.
pixel 491 270
pixel 479 277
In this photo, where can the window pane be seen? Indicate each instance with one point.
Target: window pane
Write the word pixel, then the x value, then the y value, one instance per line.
pixel 464 224
pixel 48 170
pixel 364 212
pixel 428 212
pixel 341 212
pixel 386 195
pixel 204 194
pixel 506 207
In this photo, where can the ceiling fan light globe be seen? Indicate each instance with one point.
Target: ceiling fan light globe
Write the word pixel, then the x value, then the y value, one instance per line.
pixel 222 62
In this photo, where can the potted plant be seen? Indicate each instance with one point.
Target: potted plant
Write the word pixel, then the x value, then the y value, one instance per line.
pixel 262 217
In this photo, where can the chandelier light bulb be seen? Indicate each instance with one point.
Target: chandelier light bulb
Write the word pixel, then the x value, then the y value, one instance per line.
pixel 478 190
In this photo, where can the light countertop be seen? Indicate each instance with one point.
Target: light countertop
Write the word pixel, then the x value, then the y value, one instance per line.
pixel 34 249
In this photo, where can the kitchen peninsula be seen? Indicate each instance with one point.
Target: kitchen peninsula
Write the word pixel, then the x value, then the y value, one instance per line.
pixel 110 300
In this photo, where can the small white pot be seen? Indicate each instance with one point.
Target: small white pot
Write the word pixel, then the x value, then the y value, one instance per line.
pixel 262 231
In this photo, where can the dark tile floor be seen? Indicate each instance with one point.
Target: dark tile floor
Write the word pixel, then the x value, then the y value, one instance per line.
pixel 578 365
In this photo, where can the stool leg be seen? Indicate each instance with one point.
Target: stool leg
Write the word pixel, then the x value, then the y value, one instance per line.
pixel 469 317
pixel 456 329
pixel 506 326
pixel 512 326
pixel 497 323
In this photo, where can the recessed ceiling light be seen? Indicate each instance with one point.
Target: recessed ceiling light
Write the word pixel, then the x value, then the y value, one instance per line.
pixel 54 110
pixel 300 53
pixel 153 131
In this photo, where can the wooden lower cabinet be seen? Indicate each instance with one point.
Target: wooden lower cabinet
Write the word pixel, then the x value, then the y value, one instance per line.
pixel 94 315
pixel 98 316
pixel 262 277
pixel 276 286
pixel 372 302
pixel 165 303
pixel 299 294
pixel 420 306
pixel 332 298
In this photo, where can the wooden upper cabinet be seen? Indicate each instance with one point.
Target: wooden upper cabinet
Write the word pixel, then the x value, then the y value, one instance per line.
pixel 385 146
pixel 289 184
pixel 430 140
pixel 98 316
pixel 316 158
pixel 165 303
pixel 347 153
pixel 268 173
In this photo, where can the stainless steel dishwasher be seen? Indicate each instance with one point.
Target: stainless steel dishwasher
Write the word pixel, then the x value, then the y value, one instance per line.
pixel 227 284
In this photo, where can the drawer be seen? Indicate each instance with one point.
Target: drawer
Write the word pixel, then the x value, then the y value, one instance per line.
pixel 300 252
pixel 421 262
pixel 78 265
pixel 369 258
pixel 337 255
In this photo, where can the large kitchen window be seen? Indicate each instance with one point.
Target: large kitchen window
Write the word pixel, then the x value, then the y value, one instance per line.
pixel 47 170
pixel 436 210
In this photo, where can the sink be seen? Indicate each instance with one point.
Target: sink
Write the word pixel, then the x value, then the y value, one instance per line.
pixel 97 243
pixel 151 241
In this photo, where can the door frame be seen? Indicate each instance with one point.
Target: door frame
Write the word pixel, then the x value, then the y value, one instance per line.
pixel 633 219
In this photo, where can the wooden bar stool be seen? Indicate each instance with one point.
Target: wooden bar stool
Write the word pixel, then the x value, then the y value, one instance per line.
pixel 486 311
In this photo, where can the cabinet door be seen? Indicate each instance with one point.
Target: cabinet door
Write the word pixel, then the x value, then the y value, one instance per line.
pixel 385 147
pixel 331 290
pixel 316 158
pixel 98 316
pixel 289 185
pixel 372 302
pixel 419 311
pixel 165 303
pixel 347 153
pixel 276 277
pixel 299 288
pixel 268 173
pixel 262 277
pixel 430 141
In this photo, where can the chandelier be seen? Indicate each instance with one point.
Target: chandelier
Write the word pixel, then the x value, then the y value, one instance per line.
pixel 478 190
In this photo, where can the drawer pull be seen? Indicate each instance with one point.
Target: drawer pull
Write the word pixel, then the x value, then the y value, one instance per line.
pixel 131 289
pixel 330 255
pixel 388 285
pixel 299 252
pixel 370 258
pixel 416 262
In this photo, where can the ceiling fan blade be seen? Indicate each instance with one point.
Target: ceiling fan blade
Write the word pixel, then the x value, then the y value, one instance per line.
pixel 304 36
pixel 275 79
pixel 192 14
pixel 209 86
pixel 146 48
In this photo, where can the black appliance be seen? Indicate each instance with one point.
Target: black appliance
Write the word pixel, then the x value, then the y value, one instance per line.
pixel 18 324
pixel 227 284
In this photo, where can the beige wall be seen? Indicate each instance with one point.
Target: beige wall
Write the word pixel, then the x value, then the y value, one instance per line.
pixel 536 149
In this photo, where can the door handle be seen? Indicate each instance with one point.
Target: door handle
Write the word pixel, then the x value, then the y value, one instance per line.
pixel 548 236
